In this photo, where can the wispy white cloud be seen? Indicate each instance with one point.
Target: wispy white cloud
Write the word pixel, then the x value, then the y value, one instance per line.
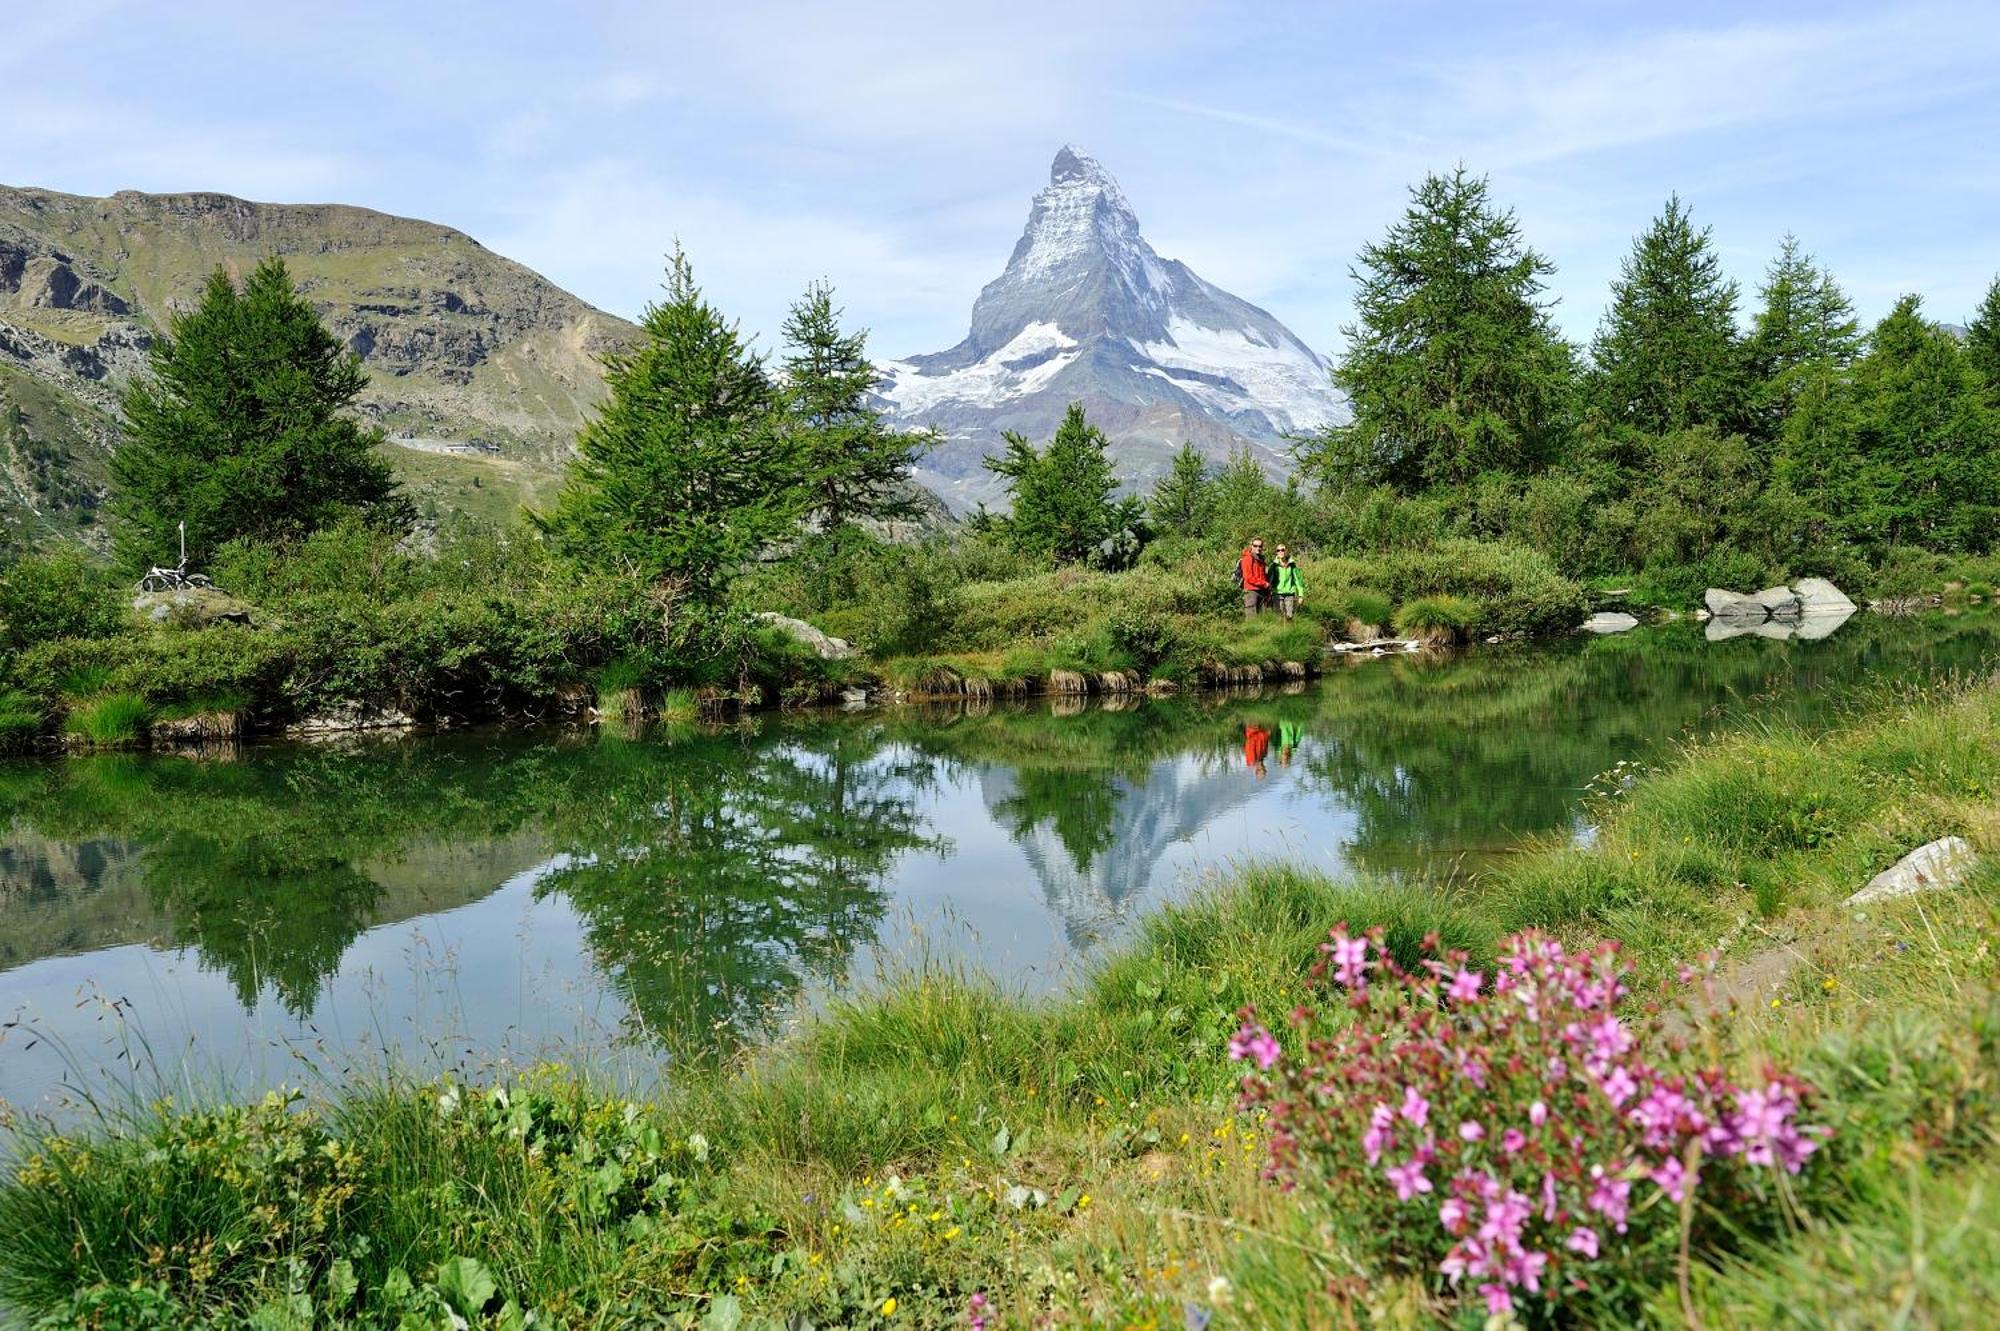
pixel 892 146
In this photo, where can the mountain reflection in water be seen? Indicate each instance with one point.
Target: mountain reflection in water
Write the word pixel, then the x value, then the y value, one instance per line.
pixel 460 898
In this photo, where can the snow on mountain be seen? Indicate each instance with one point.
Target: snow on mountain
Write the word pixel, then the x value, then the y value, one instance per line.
pixel 1086 310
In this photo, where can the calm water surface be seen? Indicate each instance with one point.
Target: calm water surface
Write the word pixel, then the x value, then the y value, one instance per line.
pixel 285 913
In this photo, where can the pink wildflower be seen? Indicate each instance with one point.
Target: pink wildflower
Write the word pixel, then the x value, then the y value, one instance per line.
pixel 1610 1197
pixel 1618 1085
pixel 1454 1215
pixel 1409 1180
pixel 1498 1301
pixel 1256 1044
pixel 1674 1179
pixel 1470 1131
pixel 1582 1239
pixel 1350 959
pixel 1415 1108
pixel 1381 1131
pixel 1538 1113
pixel 1512 1140
pixel 1464 987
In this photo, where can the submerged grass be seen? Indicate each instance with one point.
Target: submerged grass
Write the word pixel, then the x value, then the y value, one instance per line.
pixel 1078 1160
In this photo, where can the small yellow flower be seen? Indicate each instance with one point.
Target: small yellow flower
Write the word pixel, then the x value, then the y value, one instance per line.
pixel 1829 984
pixel 951 1233
pixel 889 1306
pixel 1083 1201
pixel 1774 1002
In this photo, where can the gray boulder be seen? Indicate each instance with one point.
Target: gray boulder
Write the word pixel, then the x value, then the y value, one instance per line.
pixel 1734 605
pixel 824 645
pixel 1942 863
pixel 1780 603
pixel 1817 596
pixel 1610 621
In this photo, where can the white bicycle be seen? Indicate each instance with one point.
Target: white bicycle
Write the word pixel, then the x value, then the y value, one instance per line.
pixel 177 578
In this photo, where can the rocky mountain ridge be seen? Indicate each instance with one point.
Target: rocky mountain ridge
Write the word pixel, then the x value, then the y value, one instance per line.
pixel 468 352
pixel 1086 310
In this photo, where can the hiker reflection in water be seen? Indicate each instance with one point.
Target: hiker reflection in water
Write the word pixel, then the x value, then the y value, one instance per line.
pixel 1288 739
pixel 1256 744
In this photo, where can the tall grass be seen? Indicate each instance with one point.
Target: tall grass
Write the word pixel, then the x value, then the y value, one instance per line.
pixel 111 720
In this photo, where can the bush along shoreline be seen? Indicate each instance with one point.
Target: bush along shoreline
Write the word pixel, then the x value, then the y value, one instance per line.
pixel 1675 1077
pixel 354 627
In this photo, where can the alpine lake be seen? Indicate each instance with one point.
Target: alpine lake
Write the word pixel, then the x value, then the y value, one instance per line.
pixel 230 921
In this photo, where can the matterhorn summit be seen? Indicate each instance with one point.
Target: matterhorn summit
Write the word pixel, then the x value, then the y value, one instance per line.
pixel 1086 311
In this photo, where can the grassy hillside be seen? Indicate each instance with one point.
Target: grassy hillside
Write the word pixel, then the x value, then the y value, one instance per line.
pixel 462 346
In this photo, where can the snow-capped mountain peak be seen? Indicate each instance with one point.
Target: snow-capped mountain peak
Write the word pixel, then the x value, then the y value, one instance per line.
pixel 1085 310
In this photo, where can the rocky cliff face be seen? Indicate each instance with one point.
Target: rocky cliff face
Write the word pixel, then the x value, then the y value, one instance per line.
pixel 1085 310
pixel 467 352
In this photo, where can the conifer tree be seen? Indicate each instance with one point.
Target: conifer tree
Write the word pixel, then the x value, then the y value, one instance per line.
pixel 1911 454
pixel 683 475
pixel 1453 365
pixel 852 466
pixel 1184 500
pixel 1982 343
pixel 1062 493
pixel 1805 334
pixel 1667 356
pixel 242 428
pixel 1928 445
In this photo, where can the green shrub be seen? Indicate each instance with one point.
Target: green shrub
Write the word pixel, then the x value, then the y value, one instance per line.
pixel 1141 639
pixel 1365 606
pixel 113 719
pixel 58 595
pixel 1440 619
pixel 1906 571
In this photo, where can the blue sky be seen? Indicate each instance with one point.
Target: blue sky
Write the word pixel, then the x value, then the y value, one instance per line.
pixel 892 148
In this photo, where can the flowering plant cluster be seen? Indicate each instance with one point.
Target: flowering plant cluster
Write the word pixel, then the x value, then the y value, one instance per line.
pixel 1517 1136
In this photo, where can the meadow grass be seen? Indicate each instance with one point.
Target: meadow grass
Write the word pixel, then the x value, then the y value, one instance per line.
pixel 1079 1159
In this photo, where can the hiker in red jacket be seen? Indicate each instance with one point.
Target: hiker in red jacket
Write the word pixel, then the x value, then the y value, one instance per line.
pixel 1254 577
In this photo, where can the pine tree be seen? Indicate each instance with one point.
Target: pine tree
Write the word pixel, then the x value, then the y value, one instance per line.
pixel 851 465
pixel 1805 333
pixel 1928 445
pixel 1982 343
pixel 1667 356
pixel 1062 493
pixel 683 475
pixel 241 428
pixel 1453 365
pixel 1184 500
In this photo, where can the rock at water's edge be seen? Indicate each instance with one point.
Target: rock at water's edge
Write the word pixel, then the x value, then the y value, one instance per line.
pixel 1733 605
pixel 824 645
pixel 1943 863
pixel 1610 621
pixel 1817 596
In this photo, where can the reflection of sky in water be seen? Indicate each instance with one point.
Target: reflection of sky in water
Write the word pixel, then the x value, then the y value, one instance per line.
pixel 1011 844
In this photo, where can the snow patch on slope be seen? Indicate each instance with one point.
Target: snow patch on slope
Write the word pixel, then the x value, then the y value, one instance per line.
pixel 1033 357
pixel 1284 382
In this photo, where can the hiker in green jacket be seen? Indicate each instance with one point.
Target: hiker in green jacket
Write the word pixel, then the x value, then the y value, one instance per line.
pixel 1286 583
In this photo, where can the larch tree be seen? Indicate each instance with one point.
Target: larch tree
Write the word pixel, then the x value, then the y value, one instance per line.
pixel 685 473
pixel 852 465
pixel 1453 365
pixel 1668 356
pixel 243 426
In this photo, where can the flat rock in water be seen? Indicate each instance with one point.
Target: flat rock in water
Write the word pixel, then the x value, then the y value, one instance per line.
pixel 1610 621
pixel 1942 863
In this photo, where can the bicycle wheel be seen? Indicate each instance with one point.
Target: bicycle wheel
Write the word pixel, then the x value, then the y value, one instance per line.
pixel 152 583
pixel 197 581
